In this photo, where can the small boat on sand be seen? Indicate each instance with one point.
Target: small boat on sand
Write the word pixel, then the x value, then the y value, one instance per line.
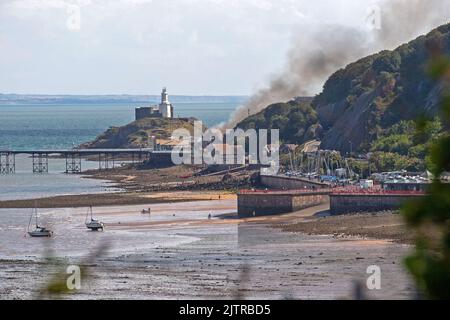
pixel 93 224
pixel 38 232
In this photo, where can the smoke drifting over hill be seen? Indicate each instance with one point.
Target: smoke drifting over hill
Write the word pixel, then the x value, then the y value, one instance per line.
pixel 403 20
pixel 317 53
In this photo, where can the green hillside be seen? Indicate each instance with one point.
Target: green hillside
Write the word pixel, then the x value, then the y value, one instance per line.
pixel 137 133
pixel 369 106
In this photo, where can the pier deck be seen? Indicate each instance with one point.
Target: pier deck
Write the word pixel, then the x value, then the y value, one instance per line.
pixel 106 158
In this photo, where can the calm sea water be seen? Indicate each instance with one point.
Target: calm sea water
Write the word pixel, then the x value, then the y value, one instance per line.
pixel 63 126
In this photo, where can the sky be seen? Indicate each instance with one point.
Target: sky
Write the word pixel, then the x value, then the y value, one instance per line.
pixel 194 47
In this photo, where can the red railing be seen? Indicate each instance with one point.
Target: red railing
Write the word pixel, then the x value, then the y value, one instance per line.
pixel 350 190
pixel 296 191
pixel 354 190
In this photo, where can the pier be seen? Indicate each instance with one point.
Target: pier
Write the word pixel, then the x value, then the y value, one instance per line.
pixel 106 158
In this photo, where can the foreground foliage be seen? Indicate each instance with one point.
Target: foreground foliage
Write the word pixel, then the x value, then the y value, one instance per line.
pixel 430 216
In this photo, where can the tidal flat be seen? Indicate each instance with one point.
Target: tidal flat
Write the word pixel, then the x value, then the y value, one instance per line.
pixel 178 252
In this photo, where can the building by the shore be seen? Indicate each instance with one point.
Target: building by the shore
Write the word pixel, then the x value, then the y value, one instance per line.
pixel 406 185
pixel 163 110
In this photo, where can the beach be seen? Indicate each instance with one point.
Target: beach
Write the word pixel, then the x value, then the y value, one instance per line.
pixel 115 198
pixel 178 252
pixel 193 245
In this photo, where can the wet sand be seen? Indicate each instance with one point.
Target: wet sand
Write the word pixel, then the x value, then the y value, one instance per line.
pixel 116 198
pixel 381 225
pixel 178 253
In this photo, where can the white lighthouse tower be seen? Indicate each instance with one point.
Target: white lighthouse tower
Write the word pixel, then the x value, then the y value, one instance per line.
pixel 165 107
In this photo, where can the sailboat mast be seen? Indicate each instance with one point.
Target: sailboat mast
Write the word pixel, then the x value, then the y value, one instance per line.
pixel 35 211
pixel 87 214
pixel 29 222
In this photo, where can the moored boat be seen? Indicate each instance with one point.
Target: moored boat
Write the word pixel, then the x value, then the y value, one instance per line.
pixel 38 232
pixel 93 224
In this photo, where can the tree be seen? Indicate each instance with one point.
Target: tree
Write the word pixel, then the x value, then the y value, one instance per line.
pixel 430 215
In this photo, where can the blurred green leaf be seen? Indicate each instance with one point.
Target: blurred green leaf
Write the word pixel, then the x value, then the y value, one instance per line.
pixel 430 264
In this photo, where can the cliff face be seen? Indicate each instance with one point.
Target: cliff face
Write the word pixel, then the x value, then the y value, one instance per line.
pixel 137 133
pixel 359 102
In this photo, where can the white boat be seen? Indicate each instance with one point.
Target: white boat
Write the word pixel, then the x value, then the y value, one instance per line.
pixel 93 224
pixel 38 232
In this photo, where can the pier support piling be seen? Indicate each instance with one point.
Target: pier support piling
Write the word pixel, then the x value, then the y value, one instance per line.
pixel 40 162
pixel 73 163
pixel 107 158
pixel 104 161
pixel 7 163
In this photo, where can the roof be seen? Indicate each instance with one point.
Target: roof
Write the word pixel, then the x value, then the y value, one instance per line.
pixel 407 181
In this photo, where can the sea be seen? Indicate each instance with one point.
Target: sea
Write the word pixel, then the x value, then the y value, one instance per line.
pixel 63 126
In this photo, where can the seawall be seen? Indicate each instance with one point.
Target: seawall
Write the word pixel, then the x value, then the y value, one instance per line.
pixel 350 203
pixel 261 203
pixel 290 183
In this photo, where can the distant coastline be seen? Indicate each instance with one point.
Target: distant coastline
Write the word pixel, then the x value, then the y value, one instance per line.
pixel 23 99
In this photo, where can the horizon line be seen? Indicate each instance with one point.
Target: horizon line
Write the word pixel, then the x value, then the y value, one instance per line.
pixel 123 94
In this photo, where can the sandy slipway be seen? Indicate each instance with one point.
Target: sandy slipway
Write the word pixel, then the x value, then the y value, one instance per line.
pixel 178 253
